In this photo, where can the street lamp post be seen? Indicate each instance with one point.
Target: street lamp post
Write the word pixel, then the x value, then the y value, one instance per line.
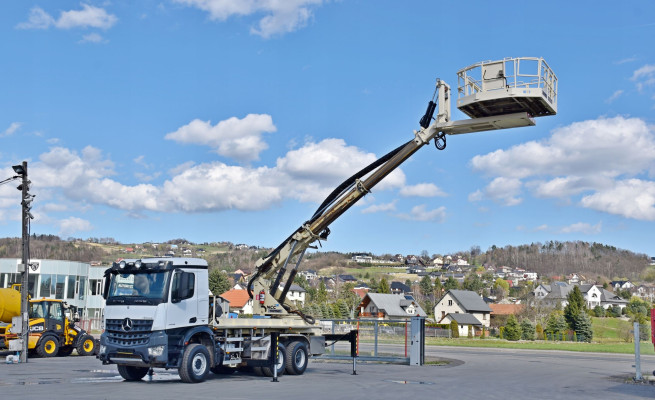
pixel 26 200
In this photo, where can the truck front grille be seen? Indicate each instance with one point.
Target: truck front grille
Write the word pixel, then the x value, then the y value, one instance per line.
pixel 137 333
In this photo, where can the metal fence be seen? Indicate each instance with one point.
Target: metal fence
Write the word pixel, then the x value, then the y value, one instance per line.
pixel 372 333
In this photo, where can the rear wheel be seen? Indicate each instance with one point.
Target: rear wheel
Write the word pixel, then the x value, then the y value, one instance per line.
pixel 297 358
pixel 130 373
pixel 280 364
pixel 48 346
pixel 195 364
pixel 86 345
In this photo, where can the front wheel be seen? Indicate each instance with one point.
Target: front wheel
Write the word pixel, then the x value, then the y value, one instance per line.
pixel 130 373
pixel 195 364
pixel 48 347
pixel 86 345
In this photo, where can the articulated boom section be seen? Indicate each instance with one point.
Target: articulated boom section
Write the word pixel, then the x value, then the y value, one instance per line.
pixel 500 101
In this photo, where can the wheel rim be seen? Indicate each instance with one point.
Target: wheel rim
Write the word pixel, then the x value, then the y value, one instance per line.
pixel 300 358
pixel 49 347
pixel 280 361
pixel 88 345
pixel 199 364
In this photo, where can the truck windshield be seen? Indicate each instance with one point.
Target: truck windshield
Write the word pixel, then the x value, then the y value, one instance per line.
pixel 138 288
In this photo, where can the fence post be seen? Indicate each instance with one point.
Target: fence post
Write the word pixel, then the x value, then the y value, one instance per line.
pixel 638 376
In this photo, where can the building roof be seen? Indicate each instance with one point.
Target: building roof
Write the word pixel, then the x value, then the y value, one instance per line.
pixel 469 300
pixel 238 298
pixel 293 288
pixel 506 309
pixel 393 305
pixel 400 286
pixel 464 319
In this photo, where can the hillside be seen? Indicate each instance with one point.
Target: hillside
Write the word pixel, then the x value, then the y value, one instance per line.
pixel 549 259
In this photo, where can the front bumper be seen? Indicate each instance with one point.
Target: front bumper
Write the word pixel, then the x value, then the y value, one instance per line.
pixel 153 353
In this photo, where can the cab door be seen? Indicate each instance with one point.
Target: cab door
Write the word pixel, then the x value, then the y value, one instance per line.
pixel 54 321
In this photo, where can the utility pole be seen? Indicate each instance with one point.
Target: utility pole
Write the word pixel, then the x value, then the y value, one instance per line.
pixel 26 200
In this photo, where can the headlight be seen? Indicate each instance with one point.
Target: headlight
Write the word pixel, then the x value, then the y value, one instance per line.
pixel 103 349
pixel 156 351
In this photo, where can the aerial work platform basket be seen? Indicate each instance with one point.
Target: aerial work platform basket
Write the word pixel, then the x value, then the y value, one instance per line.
pixel 511 85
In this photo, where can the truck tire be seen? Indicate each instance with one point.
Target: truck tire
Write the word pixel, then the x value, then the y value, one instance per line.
pixel 281 362
pixel 48 346
pixel 86 345
pixel 130 373
pixel 297 358
pixel 195 364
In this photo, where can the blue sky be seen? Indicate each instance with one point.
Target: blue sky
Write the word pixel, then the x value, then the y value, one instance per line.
pixel 217 120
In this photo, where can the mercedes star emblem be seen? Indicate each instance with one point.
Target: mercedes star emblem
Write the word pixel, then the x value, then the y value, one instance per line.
pixel 127 324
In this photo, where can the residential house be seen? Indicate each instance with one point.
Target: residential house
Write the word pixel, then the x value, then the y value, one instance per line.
pixel 309 274
pixel 609 299
pixel 645 292
pixel 558 292
pixel 400 288
pixel 362 258
pixel 466 323
pixel 296 293
pixel 346 279
pixel 500 312
pixel 462 302
pixel 240 301
pixel 389 306
pixel 622 285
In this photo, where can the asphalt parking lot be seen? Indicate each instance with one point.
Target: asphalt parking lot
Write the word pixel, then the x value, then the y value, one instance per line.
pixel 466 374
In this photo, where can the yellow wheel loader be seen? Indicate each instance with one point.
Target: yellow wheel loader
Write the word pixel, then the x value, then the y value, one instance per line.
pixel 51 332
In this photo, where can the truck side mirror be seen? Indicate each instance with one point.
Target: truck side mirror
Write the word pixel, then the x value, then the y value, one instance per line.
pixel 105 290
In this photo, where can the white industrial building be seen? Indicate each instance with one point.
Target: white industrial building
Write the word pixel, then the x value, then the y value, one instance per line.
pixel 77 283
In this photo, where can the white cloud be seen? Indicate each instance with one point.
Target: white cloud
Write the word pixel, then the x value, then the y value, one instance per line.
pixel 71 225
pixel 375 208
pixel 505 190
pixel 594 159
pixel 88 17
pixel 280 17
pixel 644 76
pixel 13 127
pixel 240 139
pixel 422 190
pixel 632 198
pixel 582 227
pixel 475 196
pixel 614 96
pixel 421 213
pixel 38 19
pixel 92 38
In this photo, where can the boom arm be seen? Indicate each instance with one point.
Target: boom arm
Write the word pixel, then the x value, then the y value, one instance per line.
pixel 274 268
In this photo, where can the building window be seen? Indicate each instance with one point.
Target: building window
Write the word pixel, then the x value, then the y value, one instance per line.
pixel 70 293
pixel 450 302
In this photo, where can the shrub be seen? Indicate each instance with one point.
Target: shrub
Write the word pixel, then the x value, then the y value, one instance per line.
pixel 454 329
pixel 527 330
pixel 512 329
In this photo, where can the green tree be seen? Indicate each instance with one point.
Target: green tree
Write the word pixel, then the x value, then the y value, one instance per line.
pixel 584 331
pixel 527 330
pixel 219 283
pixel 425 286
pixel 575 305
pixel 450 284
pixel 512 329
pixel 438 288
pixel 384 286
pixel 322 293
pixel 539 330
pixel 350 299
pixel 599 311
pixel 473 283
pixel 556 324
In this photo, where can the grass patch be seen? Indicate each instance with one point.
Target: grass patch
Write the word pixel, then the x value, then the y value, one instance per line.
pixel 646 348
